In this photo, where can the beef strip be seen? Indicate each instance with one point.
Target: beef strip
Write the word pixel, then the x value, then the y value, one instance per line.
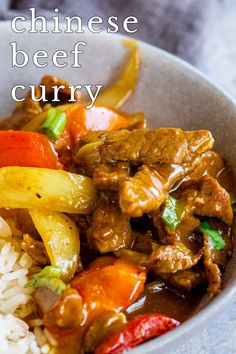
pixel 184 232
pixel 203 197
pixel 148 146
pixel 184 280
pixel 35 250
pixel 109 176
pixel 206 197
pixel 172 258
pixel 213 273
pixel 211 165
pixel 166 145
pixel 163 260
pixel 110 228
pixel 147 190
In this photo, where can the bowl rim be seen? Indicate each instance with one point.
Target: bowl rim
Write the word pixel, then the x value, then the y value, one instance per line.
pixel 206 315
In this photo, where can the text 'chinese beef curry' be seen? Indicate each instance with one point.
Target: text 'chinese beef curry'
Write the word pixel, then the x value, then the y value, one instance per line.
pixel 119 229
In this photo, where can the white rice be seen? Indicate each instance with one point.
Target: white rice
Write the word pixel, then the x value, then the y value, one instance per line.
pixel 15 300
pixel 15 337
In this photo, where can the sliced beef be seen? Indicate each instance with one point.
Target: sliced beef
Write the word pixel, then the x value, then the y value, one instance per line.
pixel 172 258
pixel 211 165
pixel 166 145
pixel 110 228
pixel 147 190
pixel 212 270
pixel 184 232
pixel 147 146
pixel 164 260
pixel 110 176
pixel 206 197
pixel 203 197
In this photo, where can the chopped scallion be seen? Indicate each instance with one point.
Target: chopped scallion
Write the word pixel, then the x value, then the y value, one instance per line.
pixel 54 124
pixel 215 237
pixel 48 278
pixel 171 214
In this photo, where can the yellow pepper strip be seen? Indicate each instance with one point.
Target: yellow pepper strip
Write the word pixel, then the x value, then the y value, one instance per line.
pixel 46 189
pixel 61 239
pixel 116 95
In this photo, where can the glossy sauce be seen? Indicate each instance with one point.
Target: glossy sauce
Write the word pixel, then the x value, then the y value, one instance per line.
pixel 160 299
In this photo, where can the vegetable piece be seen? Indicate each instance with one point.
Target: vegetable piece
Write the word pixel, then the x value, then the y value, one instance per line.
pixel 103 327
pixel 49 272
pixel 108 284
pixel 136 120
pixel 81 121
pixel 40 188
pixel 137 331
pixel 48 278
pixel 34 124
pixel 116 95
pixel 106 274
pixel 38 120
pixel 54 123
pixel 170 214
pixel 215 237
pixel 66 313
pixel 61 239
pixel 27 149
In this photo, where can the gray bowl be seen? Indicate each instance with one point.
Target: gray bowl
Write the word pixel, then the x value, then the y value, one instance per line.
pixel 170 92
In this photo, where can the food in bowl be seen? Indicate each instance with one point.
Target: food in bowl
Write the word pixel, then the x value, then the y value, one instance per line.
pixel 111 232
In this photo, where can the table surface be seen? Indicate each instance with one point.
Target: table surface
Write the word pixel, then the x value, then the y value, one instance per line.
pixel 218 62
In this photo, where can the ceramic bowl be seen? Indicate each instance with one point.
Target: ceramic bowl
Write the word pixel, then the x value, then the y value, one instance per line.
pixel 169 92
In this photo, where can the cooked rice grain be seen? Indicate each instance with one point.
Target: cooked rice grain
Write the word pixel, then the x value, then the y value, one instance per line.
pixel 15 337
pixel 15 299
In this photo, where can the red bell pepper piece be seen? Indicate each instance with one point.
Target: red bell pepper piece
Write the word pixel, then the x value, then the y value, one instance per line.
pixel 109 284
pixel 19 148
pixel 81 121
pixel 137 331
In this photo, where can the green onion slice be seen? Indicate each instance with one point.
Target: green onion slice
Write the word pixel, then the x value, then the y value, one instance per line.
pixel 54 124
pixel 48 278
pixel 171 214
pixel 215 237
